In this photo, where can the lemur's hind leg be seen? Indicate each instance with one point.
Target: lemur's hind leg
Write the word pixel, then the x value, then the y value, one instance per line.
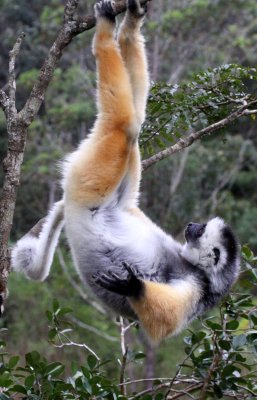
pixel 101 163
pixel 132 46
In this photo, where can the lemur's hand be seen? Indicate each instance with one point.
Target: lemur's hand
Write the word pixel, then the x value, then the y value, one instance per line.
pixel 130 286
pixel 136 9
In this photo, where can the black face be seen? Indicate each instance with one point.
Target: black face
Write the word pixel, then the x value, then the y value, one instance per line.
pixel 194 231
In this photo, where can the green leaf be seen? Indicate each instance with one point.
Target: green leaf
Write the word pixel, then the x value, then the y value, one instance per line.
pixel 232 325
pixel 91 361
pixel 29 381
pixel 225 344
pixel 139 355
pixel 49 315
pixel 64 310
pixel 86 372
pixel 74 367
pixel 19 389
pixel 247 253
pixel 214 326
pixel 52 333
pixel 228 371
pixel 54 369
pixel 13 361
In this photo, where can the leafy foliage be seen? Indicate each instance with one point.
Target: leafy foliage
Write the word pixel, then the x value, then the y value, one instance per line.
pixel 175 110
pixel 219 361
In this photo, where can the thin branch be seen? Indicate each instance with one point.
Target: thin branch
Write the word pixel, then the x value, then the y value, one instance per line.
pixel 190 139
pixel 185 392
pixel 70 9
pixel 150 390
pixel 94 330
pixel 11 81
pixel 177 374
pixel 124 351
pixel 74 344
pixel 4 102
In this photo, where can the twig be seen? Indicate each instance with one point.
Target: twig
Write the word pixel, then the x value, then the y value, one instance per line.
pixel 71 343
pixel 94 330
pixel 4 102
pixel 124 351
pixel 150 390
pixel 190 139
pixel 70 9
pixel 217 356
pixel 11 81
pixel 179 370
pixel 186 391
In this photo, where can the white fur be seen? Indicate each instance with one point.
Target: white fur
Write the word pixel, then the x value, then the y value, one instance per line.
pixel 34 255
pixel 203 255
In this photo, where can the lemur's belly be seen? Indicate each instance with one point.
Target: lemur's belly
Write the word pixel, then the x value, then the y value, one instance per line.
pixel 101 240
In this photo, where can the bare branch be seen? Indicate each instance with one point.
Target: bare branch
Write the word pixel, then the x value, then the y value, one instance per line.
pixel 69 342
pixel 4 102
pixel 12 82
pixel 94 330
pixel 190 139
pixel 124 351
pixel 70 9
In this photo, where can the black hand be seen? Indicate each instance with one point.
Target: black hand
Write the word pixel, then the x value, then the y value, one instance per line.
pixel 136 9
pixel 130 286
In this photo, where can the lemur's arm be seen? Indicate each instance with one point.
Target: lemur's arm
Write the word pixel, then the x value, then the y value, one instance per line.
pixel 162 309
pixel 33 253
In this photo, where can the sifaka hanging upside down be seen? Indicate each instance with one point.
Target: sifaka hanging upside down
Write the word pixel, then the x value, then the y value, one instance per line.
pixel 132 265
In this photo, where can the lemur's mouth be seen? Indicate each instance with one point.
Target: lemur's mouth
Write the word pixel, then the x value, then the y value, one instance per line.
pixel 194 231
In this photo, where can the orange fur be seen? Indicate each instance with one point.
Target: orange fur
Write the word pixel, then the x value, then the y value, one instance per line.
pixel 163 309
pixel 89 185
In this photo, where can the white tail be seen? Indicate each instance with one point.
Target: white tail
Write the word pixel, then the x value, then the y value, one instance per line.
pixel 33 253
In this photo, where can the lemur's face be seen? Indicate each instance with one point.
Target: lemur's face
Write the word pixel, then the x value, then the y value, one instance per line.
pixel 210 246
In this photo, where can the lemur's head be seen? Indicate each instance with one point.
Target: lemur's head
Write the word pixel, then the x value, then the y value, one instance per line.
pixel 213 248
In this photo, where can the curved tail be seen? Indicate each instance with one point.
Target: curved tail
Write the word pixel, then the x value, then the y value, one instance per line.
pixel 33 253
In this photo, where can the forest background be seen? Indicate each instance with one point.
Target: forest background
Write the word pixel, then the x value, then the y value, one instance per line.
pixel 217 176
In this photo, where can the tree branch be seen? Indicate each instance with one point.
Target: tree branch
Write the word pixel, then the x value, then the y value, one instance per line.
pixel 190 139
pixel 4 102
pixel 11 81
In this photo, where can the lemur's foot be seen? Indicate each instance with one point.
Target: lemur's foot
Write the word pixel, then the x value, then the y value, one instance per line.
pixel 130 286
pixel 136 9
pixel 105 9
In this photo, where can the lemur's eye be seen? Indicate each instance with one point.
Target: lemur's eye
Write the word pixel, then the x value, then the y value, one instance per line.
pixel 217 255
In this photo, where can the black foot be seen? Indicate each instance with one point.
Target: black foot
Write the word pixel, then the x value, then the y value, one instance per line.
pixel 104 9
pixel 130 286
pixel 136 9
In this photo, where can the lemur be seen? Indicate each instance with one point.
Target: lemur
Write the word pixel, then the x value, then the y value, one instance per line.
pixel 132 265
